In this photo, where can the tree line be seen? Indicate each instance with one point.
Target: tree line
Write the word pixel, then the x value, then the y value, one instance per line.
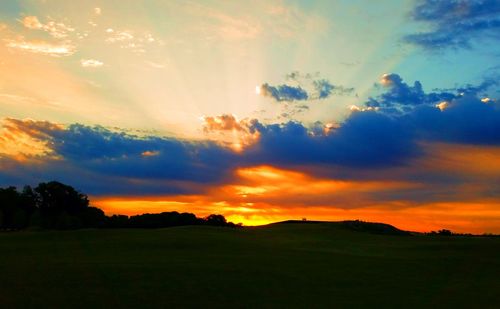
pixel 54 205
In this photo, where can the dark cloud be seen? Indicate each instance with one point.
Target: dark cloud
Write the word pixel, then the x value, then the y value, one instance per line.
pixel 455 23
pixel 479 89
pixel 84 151
pixel 301 77
pixel 365 139
pixel 284 92
pixel 324 89
pixel 99 160
pixel 400 93
pixel 466 120
pixel 399 97
pixel 309 87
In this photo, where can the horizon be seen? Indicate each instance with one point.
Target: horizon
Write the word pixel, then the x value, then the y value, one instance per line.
pixel 382 112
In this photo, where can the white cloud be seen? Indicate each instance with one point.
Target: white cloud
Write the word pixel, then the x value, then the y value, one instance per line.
pixel 119 36
pixel 134 41
pixel 42 47
pixel 56 29
pixel 91 63
pixel 98 11
pixel 32 22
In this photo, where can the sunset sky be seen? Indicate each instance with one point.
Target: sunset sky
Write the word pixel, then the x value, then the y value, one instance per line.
pixel 261 111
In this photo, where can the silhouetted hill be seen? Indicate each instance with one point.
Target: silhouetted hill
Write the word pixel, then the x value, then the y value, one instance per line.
pixel 355 225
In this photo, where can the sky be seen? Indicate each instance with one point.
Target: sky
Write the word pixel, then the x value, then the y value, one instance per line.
pixel 261 111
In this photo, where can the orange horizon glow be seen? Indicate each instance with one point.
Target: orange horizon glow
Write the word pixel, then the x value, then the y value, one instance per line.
pixel 264 194
pixel 477 218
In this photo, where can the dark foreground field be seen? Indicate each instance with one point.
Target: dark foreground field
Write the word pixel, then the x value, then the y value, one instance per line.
pixel 283 265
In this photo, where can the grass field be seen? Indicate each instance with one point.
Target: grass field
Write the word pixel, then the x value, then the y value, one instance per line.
pixel 282 265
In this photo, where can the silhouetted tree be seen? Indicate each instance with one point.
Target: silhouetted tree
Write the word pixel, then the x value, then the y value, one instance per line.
pixel 9 205
pixel 93 217
pixel 60 206
pixel 216 220
pixel 116 221
pixel 445 232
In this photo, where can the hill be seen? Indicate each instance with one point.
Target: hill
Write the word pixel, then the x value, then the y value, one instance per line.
pixel 280 265
pixel 356 225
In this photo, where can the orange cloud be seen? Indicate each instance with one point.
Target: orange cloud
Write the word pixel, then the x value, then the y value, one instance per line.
pixel 297 189
pixel 22 139
pixel 225 128
pixel 150 153
pixel 463 159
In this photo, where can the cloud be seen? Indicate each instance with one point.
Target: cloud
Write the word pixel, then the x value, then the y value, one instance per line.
pixel 132 40
pixel 399 97
pixel 226 129
pixel 456 23
pixel 365 139
pixel 57 30
pixel 307 88
pixel 102 161
pixel 283 92
pixel 97 11
pixel 466 120
pixel 42 47
pixel 119 36
pixel 98 155
pixel 21 144
pixel 60 44
pixel 399 93
pixel 91 63
pixel 224 122
pixel 324 89
pixel 32 22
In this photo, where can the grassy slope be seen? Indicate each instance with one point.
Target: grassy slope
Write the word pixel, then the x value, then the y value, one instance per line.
pixel 298 265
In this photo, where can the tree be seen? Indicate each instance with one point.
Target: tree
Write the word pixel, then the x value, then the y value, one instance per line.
pixel 60 206
pixel 93 217
pixel 9 202
pixel 55 205
pixel 216 220
pixel 117 221
pixel 445 232
pixel 55 197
